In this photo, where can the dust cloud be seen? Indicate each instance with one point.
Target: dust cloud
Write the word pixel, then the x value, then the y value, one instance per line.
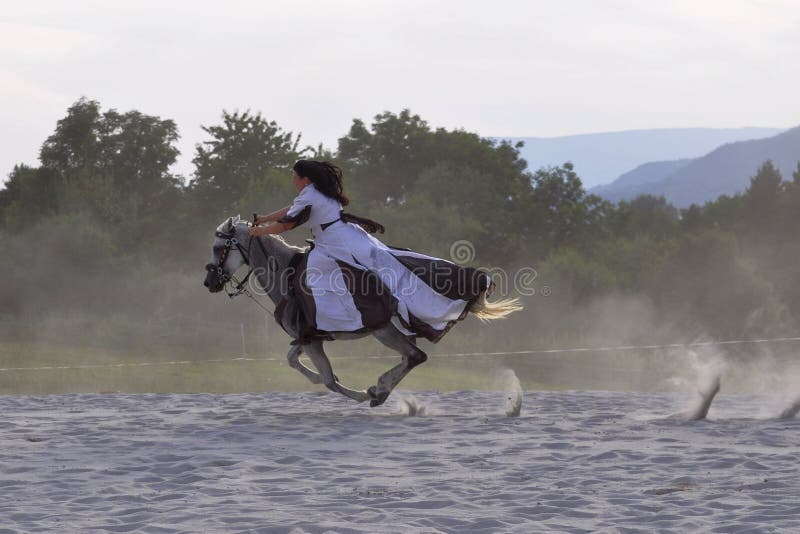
pixel 510 385
pixel 82 310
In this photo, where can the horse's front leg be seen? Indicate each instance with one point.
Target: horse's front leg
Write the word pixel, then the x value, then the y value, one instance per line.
pixel 320 360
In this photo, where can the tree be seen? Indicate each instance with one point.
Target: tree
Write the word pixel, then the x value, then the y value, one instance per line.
pixel 645 215
pixel 561 213
pixel 136 150
pixel 705 285
pixel 29 192
pixel 763 193
pixel 112 166
pixel 484 182
pixel 453 182
pixel 244 147
pixel 381 164
pixel 74 144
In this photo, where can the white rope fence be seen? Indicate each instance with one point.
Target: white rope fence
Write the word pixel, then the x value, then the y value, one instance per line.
pixel 698 344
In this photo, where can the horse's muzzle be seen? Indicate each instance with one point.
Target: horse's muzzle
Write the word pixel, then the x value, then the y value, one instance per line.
pixel 213 282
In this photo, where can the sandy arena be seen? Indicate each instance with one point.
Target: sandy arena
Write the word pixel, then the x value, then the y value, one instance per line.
pixel 307 462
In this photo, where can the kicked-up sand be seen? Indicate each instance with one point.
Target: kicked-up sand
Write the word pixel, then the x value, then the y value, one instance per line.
pixel 308 462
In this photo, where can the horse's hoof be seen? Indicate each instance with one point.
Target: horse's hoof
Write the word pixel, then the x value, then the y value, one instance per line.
pixel 377 398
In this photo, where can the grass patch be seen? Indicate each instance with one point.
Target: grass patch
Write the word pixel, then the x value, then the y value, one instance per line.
pixel 40 369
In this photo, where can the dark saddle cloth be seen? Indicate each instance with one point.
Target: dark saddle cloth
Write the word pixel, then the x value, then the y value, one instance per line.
pixel 296 312
pixel 288 313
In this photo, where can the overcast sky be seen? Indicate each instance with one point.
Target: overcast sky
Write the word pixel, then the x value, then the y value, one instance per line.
pixel 526 68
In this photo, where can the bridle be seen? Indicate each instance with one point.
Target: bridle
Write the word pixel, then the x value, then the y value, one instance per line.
pixel 219 268
pixel 238 287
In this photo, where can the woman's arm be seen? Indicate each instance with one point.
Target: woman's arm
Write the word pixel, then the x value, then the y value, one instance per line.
pixel 274 216
pixel 274 228
pixel 287 218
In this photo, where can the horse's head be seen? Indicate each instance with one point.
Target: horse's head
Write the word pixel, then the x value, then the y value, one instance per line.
pixel 226 254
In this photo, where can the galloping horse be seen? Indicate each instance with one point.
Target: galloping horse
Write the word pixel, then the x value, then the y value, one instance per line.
pixel 272 260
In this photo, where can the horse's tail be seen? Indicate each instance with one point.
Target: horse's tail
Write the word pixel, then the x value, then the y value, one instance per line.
pixel 499 309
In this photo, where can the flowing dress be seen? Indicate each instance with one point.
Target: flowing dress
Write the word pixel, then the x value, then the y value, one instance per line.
pixel 351 282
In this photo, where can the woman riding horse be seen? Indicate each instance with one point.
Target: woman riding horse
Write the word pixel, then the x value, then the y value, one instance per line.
pixel 352 282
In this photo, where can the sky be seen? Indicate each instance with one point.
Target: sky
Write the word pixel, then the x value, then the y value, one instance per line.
pixel 503 68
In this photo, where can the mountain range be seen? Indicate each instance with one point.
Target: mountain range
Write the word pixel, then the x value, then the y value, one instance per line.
pixel 726 170
pixel 601 158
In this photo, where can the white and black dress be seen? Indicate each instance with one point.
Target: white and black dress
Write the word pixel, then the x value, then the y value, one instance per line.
pixel 351 282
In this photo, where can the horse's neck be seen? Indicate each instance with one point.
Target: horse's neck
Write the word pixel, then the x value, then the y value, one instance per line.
pixel 269 278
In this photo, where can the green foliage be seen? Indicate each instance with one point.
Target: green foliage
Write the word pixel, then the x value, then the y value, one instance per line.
pixel 762 197
pixel 428 228
pixel 56 261
pixel 401 169
pixel 560 213
pixel 111 166
pixel 266 192
pixel 634 261
pixel 575 276
pixel 705 281
pixel 644 215
pixel 765 187
pixel 243 148
pixel 74 144
pixel 103 210
pixel 29 192
pixel 383 162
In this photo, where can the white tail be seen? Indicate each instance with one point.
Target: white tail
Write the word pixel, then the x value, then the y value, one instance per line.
pixel 489 311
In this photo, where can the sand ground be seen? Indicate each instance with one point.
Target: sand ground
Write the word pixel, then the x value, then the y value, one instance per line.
pixel 309 462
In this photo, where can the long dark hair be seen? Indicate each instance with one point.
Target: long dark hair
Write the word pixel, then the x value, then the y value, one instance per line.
pixel 326 176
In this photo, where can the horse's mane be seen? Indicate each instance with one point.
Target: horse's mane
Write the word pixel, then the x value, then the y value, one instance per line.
pixel 281 244
pixel 285 244
pixel 280 241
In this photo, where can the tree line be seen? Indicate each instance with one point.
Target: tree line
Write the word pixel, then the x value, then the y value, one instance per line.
pixel 103 205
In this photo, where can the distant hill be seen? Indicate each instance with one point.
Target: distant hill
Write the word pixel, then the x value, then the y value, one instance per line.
pixel 640 180
pixel 600 158
pixel 723 171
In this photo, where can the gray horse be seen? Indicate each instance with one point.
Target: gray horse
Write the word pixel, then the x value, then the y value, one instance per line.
pixel 270 261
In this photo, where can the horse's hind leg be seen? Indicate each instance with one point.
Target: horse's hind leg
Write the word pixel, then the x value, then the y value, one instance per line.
pixel 412 356
pixel 295 363
pixel 315 351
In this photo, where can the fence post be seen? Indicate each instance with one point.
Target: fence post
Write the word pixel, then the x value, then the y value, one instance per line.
pixel 266 334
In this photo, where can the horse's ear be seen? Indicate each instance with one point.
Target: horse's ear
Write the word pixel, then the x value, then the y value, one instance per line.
pixel 229 225
pixel 236 220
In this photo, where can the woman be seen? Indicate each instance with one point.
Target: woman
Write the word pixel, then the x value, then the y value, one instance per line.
pixel 351 282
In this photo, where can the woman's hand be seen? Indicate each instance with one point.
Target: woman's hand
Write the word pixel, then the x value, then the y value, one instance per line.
pixel 272 217
pixel 255 231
